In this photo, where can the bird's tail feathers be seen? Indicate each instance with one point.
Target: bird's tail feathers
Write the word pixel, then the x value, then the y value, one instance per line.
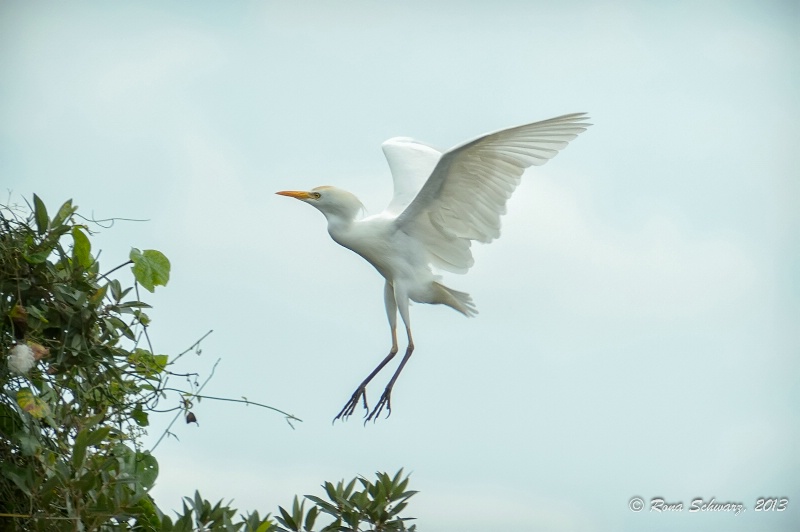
pixel 460 301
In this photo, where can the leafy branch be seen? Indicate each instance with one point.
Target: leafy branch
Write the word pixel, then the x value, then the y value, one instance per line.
pixel 79 379
pixel 77 386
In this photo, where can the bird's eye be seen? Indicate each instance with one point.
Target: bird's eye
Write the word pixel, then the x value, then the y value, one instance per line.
pixel 316 195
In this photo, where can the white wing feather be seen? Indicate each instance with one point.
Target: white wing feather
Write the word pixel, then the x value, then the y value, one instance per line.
pixel 467 191
pixel 411 162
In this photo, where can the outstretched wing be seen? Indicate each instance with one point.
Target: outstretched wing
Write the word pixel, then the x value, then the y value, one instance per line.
pixel 411 162
pixel 466 192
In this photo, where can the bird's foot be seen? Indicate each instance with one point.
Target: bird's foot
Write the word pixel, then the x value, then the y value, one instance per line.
pixel 350 407
pixel 385 401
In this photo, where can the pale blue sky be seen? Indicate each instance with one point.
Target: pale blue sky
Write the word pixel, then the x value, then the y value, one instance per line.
pixel 638 318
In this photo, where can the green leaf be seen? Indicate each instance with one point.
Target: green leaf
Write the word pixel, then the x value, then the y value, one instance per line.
pixel 87 482
pixel 150 268
pixel 40 213
pixel 22 477
pixel 311 517
pixel 97 436
pixel 37 313
pixel 331 491
pixel 81 248
pixel 349 489
pixel 286 519
pixel 79 450
pixel 161 361
pixel 38 257
pixel 116 290
pixel 399 508
pixel 198 502
pixel 49 488
pixel 32 404
pixel 325 506
pixel 87 438
pixel 297 511
pixel 143 318
pixel 121 326
pixel 146 363
pixel 140 416
pixel 146 469
pixel 28 443
pixel 98 296
pixel 132 305
pixel 9 420
pixel 64 212
pixel 265 526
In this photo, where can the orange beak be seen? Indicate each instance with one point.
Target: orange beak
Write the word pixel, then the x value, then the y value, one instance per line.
pixel 297 194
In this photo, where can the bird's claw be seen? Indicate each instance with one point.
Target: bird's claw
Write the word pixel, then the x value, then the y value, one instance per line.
pixel 385 401
pixel 350 407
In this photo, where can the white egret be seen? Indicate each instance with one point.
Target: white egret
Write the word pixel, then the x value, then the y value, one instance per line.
pixel 441 202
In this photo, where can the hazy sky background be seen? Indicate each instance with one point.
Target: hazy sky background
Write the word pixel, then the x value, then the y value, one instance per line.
pixel 638 318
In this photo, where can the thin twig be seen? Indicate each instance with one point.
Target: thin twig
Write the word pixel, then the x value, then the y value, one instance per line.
pixel 247 402
pixel 213 369
pixel 106 220
pixel 179 355
pixel 144 327
pixel 105 275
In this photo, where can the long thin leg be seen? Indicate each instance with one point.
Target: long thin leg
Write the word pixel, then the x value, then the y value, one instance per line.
pixel 361 391
pixel 386 397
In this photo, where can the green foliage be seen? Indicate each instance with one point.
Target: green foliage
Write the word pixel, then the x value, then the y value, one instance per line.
pixel 198 514
pixel 375 505
pixel 79 380
pixel 70 455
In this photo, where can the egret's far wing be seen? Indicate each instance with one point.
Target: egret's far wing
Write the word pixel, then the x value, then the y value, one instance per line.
pixel 411 163
pixel 466 193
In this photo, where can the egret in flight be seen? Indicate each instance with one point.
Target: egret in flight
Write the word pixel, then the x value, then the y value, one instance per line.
pixel 441 203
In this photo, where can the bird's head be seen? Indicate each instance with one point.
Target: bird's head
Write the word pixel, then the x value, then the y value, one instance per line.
pixel 331 201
